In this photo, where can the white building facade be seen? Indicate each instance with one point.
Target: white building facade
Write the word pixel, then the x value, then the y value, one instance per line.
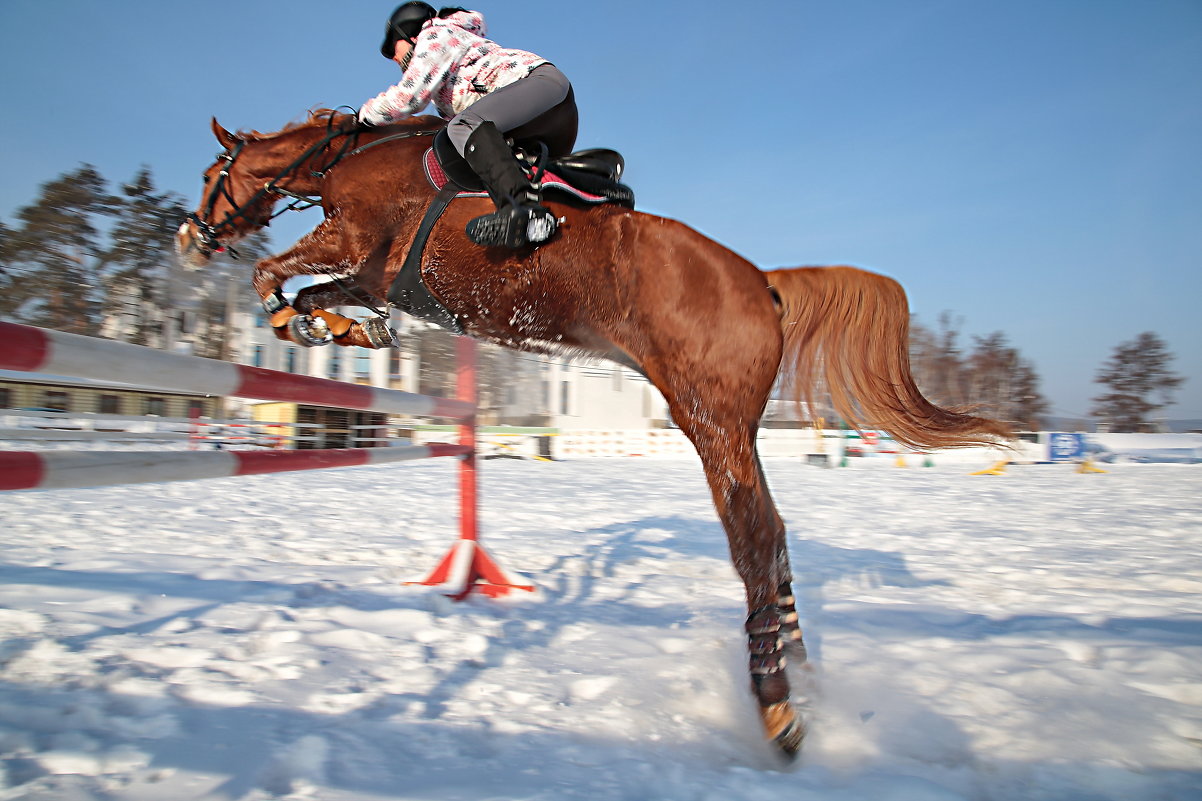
pixel 555 392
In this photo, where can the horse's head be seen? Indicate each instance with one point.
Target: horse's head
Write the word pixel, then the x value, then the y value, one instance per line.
pixel 232 205
pixel 252 172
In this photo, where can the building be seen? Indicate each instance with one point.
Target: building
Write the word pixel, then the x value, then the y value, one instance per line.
pixel 35 391
pixel 518 389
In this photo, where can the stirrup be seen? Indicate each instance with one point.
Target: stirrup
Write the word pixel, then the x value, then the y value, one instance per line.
pixel 513 227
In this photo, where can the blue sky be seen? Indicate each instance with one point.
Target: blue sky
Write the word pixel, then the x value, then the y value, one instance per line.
pixel 1032 166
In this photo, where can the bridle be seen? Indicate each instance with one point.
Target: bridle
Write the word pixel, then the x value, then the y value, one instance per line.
pixel 209 233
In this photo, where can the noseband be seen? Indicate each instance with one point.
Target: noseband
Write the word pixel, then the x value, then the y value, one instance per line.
pixel 209 232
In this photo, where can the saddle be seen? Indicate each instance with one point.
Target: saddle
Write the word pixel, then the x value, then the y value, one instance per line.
pixel 587 176
pixel 591 176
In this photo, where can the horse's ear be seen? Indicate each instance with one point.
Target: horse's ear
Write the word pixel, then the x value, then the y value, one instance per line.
pixel 227 139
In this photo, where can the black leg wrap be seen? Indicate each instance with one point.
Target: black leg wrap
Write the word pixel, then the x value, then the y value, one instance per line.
pixel 790 626
pixel 764 644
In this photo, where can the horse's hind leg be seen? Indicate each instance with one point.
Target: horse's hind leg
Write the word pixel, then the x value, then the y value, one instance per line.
pixel 786 602
pixel 756 535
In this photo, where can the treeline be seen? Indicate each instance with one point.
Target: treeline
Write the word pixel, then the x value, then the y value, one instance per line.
pixel 991 375
pixel 88 260
pixel 994 377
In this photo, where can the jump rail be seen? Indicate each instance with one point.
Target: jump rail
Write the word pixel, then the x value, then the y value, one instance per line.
pixel 25 470
pixel 30 349
pixel 465 568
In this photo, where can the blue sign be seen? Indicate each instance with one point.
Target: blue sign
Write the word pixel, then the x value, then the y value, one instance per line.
pixel 1066 447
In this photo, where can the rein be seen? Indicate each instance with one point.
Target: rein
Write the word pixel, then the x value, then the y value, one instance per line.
pixel 209 232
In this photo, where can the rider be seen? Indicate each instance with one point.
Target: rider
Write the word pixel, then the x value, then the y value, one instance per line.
pixel 486 92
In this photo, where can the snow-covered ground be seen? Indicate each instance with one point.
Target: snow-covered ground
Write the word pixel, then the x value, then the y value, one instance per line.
pixel 1036 635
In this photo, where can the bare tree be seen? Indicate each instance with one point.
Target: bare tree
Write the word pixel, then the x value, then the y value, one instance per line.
pixel 1140 382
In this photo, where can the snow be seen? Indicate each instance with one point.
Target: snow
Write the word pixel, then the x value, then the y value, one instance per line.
pixel 1036 635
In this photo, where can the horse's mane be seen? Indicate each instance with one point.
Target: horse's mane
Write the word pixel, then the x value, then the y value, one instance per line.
pixel 333 119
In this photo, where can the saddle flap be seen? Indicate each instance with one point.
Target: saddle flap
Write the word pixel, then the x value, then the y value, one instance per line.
pixel 454 165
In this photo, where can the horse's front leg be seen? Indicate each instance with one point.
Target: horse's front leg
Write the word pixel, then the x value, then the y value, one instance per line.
pixel 320 251
pixel 314 303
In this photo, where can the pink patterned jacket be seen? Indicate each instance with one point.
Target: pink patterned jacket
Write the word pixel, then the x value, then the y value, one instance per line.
pixel 453 65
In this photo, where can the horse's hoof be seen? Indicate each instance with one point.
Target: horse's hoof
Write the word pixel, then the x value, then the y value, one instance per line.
pixel 378 333
pixel 783 727
pixel 309 332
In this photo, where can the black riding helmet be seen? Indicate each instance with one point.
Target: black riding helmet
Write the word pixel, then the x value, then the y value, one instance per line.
pixel 405 23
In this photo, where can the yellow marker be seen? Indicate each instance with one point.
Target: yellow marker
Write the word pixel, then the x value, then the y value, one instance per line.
pixel 998 469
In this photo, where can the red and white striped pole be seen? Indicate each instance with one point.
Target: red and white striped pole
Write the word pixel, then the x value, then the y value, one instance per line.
pixel 33 470
pixel 466 391
pixel 467 567
pixel 30 349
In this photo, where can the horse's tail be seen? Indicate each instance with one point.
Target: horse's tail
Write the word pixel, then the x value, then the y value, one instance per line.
pixel 848 331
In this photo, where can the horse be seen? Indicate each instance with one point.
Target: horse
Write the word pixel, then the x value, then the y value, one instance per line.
pixel 707 328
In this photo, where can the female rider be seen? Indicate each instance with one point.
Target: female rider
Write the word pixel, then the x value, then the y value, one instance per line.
pixel 486 92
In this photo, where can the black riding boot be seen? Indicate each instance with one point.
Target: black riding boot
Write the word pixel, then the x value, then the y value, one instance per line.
pixel 519 219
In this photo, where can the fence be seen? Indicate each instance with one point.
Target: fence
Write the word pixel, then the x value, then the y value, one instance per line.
pixel 36 425
pixel 29 349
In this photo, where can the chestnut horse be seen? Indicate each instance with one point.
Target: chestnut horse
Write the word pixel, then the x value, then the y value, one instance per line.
pixel 705 326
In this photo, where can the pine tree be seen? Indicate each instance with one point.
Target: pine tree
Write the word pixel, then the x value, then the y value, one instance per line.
pixel 6 238
pixel 1138 376
pixel 51 260
pixel 205 303
pixel 136 266
pixel 1029 405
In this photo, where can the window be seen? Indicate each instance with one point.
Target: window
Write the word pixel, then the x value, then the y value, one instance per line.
pixel 195 409
pixel 6 398
pixel 156 406
pixel 564 394
pixel 256 356
pixel 110 404
pixel 57 400
pixel 334 365
pixel 362 364
pixel 290 360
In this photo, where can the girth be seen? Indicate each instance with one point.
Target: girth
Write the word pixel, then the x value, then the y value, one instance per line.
pixel 408 291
